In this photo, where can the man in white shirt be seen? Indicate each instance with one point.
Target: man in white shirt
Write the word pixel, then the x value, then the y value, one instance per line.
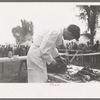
pixel 43 50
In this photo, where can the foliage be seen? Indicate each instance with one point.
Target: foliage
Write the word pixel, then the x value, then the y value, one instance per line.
pixel 90 14
pixel 19 32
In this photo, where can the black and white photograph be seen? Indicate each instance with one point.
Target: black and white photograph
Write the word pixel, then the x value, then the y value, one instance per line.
pixel 49 43
pixel 49 49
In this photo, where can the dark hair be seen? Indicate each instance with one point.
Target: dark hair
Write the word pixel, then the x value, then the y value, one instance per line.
pixel 75 30
pixel 97 41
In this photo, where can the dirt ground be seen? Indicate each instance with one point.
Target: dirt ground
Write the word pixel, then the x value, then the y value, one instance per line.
pixel 9 73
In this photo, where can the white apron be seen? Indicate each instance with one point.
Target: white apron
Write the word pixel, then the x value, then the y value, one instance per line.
pixel 42 51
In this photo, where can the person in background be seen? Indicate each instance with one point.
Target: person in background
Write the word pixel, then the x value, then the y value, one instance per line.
pixel 95 47
pixel 43 50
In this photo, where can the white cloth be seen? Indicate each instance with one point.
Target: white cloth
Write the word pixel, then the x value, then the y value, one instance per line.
pixel 42 51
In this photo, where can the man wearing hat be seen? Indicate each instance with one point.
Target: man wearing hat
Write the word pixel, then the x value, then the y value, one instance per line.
pixel 43 50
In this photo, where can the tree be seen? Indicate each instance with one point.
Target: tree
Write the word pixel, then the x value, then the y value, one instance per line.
pixel 90 14
pixel 20 32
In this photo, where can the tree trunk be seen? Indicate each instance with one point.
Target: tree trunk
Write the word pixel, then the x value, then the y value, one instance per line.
pixel 92 23
pixel 92 39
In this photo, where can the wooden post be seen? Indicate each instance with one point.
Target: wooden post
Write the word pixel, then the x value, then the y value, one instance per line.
pixel 82 59
pixel 2 67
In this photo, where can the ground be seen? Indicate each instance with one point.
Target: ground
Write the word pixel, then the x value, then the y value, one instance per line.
pixel 9 72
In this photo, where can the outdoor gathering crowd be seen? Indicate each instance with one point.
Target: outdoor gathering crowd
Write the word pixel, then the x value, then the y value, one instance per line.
pixel 83 47
pixel 22 50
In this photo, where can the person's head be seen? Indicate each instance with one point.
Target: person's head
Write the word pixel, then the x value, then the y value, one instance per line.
pixel 71 32
pixel 88 43
pixel 97 42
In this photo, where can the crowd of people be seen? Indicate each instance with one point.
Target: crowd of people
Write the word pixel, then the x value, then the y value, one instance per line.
pixel 83 47
pixel 22 50
pixel 19 50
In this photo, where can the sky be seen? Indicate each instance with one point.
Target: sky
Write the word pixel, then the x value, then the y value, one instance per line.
pixel 43 16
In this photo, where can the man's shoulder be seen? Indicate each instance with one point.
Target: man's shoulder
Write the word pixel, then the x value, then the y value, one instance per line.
pixel 53 32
